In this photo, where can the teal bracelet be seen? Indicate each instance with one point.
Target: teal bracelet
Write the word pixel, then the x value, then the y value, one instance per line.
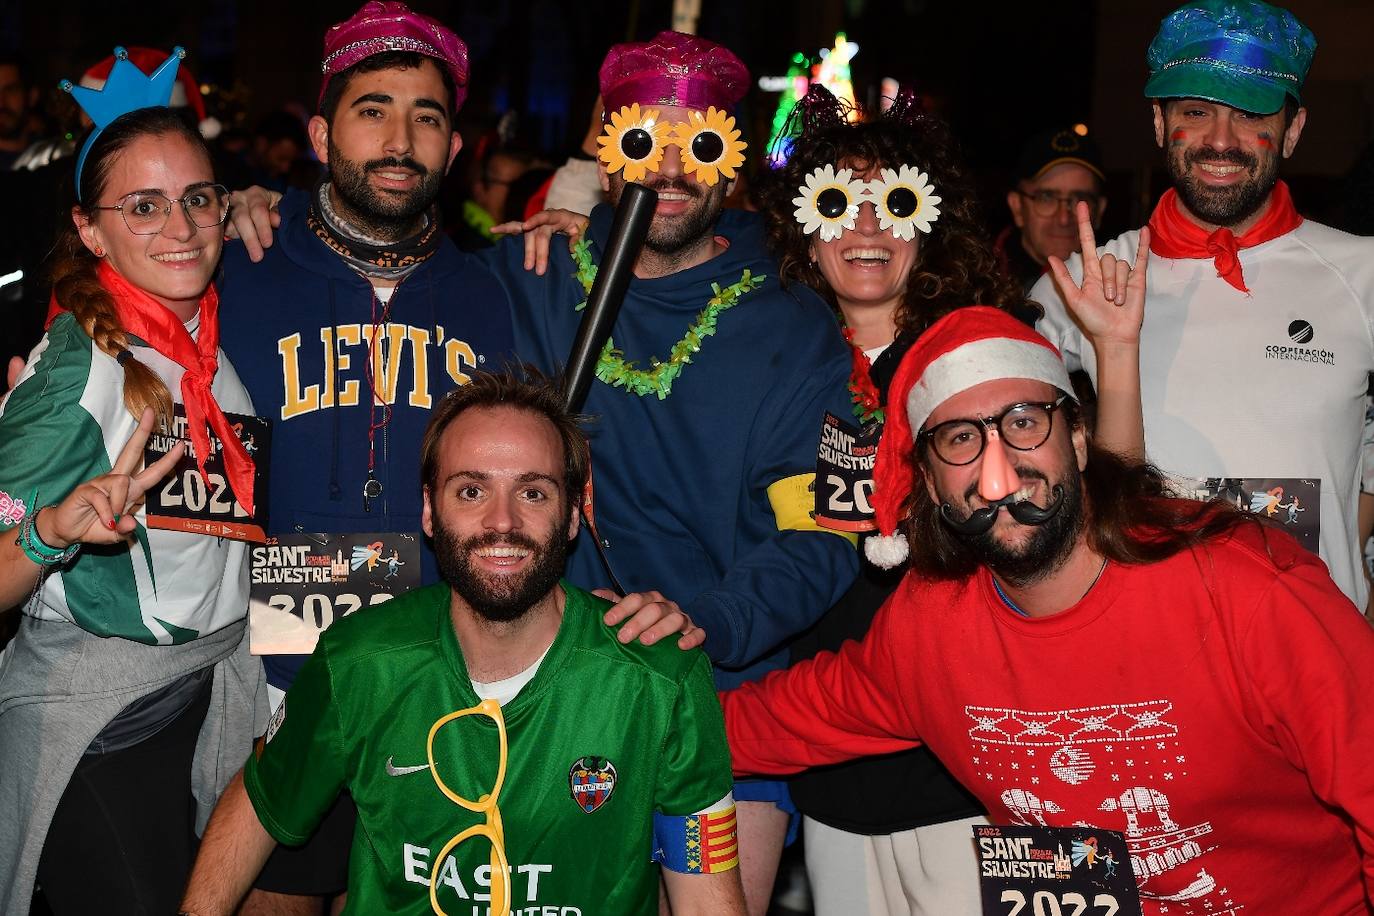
pixel 36 550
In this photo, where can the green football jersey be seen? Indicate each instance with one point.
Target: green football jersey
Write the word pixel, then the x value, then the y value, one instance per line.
pixel 604 742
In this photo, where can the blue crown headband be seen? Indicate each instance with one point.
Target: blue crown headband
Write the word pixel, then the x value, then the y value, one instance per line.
pixel 126 89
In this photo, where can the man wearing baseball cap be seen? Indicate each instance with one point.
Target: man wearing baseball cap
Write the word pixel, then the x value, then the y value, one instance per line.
pixel 1257 336
pixel 1057 168
pixel 1080 649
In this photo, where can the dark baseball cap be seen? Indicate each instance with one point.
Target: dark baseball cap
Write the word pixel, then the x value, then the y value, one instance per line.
pixel 1057 146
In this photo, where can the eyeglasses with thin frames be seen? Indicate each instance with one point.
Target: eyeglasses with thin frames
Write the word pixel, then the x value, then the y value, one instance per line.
pixel 146 212
pixel 1047 202
pixel 1024 427
pixel 491 828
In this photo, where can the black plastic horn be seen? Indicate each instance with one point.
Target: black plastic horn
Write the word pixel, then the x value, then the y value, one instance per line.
pixel 628 232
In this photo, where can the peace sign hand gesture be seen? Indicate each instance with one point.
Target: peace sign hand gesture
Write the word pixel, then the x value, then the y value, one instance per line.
pixel 1110 302
pixel 97 512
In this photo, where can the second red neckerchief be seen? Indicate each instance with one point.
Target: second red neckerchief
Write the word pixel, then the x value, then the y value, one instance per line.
pixel 149 320
pixel 1174 235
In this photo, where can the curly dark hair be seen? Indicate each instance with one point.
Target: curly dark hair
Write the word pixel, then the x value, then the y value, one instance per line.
pixel 956 265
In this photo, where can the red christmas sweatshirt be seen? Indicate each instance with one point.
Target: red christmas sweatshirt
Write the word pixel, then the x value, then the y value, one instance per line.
pixel 1212 707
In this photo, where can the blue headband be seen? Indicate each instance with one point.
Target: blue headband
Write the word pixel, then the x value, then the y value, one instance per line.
pixel 126 89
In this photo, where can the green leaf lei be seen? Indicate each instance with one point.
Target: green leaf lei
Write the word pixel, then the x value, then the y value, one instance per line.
pixel 614 369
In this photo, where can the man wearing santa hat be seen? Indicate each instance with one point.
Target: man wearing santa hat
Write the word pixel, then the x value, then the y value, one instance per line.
pixel 1068 633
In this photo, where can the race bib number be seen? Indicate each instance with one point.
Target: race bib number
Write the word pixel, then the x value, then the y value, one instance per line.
pixel 844 475
pixel 186 500
pixel 302 583
pixel 1294 503
pixel 1055 871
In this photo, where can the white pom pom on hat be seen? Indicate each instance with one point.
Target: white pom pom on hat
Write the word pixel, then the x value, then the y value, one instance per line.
pixel 887 550
pixel 967 347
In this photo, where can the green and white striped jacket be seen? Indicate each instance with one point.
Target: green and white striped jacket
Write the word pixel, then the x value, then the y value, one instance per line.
pixel 64 423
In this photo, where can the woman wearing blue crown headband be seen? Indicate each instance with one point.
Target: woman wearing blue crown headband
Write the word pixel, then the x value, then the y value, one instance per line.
pixel 879 218
pixel 128 698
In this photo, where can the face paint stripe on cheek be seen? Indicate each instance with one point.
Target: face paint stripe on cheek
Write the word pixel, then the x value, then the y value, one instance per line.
pixel 1264 140
pixel 1178 137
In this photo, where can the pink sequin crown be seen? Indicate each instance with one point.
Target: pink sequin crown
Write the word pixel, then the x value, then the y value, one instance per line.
pixel 674 69
pixel 389 26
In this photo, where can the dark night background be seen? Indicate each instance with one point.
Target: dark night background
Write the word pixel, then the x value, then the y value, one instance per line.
pixel 995 71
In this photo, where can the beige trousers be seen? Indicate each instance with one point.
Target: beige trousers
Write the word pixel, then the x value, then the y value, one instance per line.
pixel 928 871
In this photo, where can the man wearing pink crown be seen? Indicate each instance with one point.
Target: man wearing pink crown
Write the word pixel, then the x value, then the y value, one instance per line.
pixel 707 401
pixel 1081 650
pixel 362 253
pixel 355 323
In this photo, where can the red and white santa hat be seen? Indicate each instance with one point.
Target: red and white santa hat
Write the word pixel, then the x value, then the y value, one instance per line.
pixel 967 347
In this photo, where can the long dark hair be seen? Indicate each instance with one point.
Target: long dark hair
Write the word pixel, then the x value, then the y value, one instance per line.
pixel 956 265
pixel 74 279
pixel 1132 516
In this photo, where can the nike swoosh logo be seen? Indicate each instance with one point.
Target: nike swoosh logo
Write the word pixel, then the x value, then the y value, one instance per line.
pixel 393 770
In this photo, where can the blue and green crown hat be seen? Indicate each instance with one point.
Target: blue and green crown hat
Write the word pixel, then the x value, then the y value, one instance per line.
pixel 1242 53
pixel 127 89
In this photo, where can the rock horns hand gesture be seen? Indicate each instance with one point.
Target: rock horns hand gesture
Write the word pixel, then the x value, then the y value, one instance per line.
pixel 1110 302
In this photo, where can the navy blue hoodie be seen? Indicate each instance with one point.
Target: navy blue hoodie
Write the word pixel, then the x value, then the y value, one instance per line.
pixel 448 317
pixel 682 485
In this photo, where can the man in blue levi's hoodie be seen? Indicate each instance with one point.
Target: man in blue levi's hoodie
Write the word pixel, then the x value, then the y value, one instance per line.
pixel 354 325
pixel 704 431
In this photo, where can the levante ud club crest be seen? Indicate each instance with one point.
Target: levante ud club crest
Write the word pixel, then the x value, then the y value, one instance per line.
pixel 592 780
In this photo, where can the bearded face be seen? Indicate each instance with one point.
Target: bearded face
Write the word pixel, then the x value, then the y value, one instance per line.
pixel 1025 554
pixel 498 597
pixel 1223 162
pixel 498 511
pixel 384 212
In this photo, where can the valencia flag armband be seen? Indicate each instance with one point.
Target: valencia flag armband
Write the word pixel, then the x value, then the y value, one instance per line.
pixel 698 844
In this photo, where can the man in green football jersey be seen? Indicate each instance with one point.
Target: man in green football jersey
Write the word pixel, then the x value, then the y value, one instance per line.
pixel 507 752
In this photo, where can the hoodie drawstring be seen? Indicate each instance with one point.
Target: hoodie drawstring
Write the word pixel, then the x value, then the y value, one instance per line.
pixel 335 491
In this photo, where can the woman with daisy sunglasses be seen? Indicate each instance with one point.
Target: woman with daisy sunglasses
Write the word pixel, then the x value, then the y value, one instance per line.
pixel 879 218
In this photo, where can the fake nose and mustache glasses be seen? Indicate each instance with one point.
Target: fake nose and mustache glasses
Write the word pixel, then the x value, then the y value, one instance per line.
pixel 635 140
pixel 1024 427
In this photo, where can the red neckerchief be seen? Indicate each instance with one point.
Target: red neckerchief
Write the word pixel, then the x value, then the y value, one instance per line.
pixel 149 320
pixel 1173 235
